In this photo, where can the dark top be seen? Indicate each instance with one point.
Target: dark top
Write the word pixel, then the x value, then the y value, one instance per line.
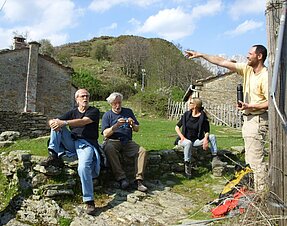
pixel 194 128
pixel 124 132
pixel 89 132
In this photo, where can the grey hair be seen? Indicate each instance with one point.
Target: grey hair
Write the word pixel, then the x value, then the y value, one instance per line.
pixel 78 91
pixel 113 96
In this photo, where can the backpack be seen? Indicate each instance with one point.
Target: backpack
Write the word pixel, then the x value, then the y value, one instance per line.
pixel 243 177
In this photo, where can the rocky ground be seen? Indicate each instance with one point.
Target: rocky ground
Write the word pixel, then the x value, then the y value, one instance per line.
pixel 159 206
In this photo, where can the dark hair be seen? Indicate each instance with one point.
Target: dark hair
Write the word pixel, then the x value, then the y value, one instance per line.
pixel 261 49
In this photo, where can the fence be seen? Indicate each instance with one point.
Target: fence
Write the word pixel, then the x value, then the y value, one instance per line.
pixel 226 115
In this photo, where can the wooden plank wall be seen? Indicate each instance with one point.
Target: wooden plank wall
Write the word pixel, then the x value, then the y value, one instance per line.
pixel 277 133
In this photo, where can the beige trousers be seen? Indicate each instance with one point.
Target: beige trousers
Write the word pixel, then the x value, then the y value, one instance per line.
pixel 113 149
pixel 254 133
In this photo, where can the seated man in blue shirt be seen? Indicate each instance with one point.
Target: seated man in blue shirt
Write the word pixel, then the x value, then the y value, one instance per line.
pixel 117 127
pixel 80 140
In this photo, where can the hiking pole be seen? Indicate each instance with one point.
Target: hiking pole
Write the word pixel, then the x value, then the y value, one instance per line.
pixel 233 160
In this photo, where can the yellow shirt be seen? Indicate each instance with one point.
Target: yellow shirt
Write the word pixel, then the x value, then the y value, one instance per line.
pixel 255 86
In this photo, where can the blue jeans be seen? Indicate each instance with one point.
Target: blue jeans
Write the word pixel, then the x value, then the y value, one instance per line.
pixel 88 158
pixel 187 145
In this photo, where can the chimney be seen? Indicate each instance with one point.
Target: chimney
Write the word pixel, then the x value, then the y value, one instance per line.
pixel 19 42
pixel 32 78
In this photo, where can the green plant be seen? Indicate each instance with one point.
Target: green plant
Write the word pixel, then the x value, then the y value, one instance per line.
pixel 177 93
pixel 65 221
pixel 151 102
pixel 7 191
pixel 84 79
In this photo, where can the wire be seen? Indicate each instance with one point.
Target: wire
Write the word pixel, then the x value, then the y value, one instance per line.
pixel 3 5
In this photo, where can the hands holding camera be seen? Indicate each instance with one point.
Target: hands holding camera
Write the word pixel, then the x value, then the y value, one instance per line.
pixel 122 121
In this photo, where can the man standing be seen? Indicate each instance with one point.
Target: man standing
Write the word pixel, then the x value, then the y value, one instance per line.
pixel 254 106
pixel 80 140
pixel 117 127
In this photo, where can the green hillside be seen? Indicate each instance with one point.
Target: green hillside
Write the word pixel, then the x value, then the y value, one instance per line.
pixel 109 64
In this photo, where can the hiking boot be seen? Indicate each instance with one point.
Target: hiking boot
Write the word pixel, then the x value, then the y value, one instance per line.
pixel 53 160
pixel 187 169
pixel 90 208
pixel 140 185
pixel 216 162
pixel 124 183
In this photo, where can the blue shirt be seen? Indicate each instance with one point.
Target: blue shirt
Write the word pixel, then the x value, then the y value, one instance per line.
pixel 124 132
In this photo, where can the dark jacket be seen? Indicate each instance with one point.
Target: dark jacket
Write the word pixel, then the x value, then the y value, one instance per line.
pixel 203 124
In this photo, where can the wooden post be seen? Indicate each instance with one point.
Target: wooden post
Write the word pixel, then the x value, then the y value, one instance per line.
pixel 277 134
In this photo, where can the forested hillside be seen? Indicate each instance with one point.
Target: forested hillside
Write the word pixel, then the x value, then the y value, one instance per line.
pixel 107 64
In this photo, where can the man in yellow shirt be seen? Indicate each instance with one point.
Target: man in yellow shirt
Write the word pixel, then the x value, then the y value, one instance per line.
pixel 254 106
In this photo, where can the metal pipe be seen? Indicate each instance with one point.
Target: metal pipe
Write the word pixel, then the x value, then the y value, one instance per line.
pixel 277 64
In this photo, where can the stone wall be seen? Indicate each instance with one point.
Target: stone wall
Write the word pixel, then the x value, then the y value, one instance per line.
pixel 30 125
pixel 54 93
pixel 220 89
pixel 13 73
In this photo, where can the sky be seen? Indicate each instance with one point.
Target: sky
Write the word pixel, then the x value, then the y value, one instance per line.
pixel 228 27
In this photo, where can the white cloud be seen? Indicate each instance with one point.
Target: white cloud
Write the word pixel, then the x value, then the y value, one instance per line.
pixel 246 26
pixel 210 8
pixel 246 7
pixel 175 23
pixel 171 24
pixel 40 19
pixel 134 22
pixel 104 5
pixel 106 30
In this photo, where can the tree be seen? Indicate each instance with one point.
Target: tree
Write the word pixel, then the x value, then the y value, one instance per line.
pixel 46 47
pixel 132 54
pixel 100 52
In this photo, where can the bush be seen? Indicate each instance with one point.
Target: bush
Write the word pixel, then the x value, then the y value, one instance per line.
pixel 177 93
pixel 84 79
pixel 154 102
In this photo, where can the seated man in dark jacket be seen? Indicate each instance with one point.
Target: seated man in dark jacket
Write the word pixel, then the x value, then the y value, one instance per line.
pixel 195 132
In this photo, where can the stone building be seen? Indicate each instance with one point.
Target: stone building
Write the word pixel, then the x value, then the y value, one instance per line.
pixel 32 82
pixel 220 89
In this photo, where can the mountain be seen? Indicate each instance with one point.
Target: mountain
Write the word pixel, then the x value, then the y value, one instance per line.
pixel 131 62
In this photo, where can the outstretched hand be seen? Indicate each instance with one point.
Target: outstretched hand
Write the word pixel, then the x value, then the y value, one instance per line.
pixel 191 54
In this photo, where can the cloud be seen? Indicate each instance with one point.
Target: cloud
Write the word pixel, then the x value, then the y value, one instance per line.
pixel 106 30
pixel 210 8
pixel 174 24
pixel 104 5
pixel 134 22
pixel 246 26
pixel 246 7
pixel 171 24
pixel 40 19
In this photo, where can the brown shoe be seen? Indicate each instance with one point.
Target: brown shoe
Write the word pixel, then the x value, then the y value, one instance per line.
pixel 91 209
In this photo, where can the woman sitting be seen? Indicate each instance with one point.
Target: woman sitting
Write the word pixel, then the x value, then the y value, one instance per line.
pixel 195 132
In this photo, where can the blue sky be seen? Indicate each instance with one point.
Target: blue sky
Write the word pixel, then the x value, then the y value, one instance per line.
pixel 213 26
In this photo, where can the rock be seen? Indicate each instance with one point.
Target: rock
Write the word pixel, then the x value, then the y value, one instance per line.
pixel 10 135
pixel 4 144
pixel 237 149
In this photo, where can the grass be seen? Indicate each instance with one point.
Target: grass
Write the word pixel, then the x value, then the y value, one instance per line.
pixel 154 134
pixel 6 191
